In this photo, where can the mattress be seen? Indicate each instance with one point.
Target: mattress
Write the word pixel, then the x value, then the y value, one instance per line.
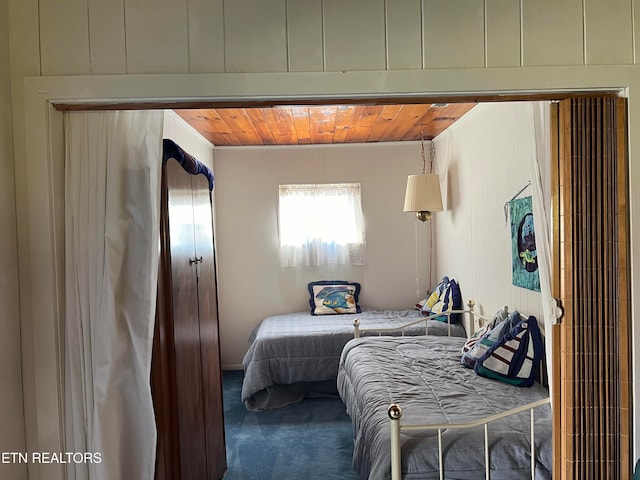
pixel 424 376
pixel 297 354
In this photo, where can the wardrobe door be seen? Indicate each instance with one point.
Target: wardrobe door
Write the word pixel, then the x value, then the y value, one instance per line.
pixel 209 341
pixel 163 379
pixel 186 325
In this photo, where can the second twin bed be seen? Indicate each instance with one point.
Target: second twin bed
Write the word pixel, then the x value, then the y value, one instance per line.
pixel 294 355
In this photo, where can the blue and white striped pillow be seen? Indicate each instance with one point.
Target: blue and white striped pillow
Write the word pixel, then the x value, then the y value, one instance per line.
pixel 516 357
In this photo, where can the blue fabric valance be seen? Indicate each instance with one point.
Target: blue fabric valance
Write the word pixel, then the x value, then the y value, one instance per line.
pixel 191 164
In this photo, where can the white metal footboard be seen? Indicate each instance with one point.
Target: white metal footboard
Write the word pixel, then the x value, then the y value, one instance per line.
pixel 395 414
pixel 476 321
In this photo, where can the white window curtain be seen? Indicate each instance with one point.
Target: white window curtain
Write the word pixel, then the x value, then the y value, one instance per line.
pixel 113 165
pixel 321 224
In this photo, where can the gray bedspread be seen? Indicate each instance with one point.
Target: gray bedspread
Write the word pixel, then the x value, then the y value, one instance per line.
pixel 297 354
pixel 424 376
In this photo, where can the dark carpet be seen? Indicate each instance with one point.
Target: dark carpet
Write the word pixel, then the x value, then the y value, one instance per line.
pixel 308 440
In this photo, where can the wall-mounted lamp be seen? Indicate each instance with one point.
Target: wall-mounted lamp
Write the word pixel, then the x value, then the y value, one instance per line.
pixel 423 191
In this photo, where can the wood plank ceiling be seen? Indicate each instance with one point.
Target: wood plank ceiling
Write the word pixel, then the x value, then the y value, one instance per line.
pixel 322 124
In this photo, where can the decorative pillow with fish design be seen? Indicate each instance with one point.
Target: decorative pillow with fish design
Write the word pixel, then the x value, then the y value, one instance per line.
pixel 333 297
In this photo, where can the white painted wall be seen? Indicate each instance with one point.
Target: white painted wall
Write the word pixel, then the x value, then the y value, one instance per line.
pixel 484 160
pixel 12 438
pixel 252 284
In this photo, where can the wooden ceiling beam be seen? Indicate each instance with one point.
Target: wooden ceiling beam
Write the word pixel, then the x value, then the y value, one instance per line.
pixel 275 102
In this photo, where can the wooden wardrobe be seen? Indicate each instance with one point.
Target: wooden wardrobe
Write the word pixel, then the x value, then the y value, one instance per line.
pixel 186 373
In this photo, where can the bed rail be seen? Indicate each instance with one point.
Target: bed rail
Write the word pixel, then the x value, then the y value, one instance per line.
pixel 395 414
pixel 476 320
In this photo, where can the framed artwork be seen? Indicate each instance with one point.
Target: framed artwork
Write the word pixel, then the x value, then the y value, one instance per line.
pixel 524 256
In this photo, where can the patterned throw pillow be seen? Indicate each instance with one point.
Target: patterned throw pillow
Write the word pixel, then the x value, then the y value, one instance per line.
pixel 498 317
pixel 516 357
pixel 450 299
pixel 425 305
pixel 332 297
pixel 487 340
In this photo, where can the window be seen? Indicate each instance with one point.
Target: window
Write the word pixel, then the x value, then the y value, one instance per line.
pixel 321 225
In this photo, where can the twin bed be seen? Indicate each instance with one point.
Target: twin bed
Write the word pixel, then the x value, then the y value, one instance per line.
pixel 296 355
pixel 418 371
pixel 424 376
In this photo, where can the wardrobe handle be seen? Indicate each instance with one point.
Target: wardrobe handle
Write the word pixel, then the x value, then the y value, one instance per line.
pixel 196 260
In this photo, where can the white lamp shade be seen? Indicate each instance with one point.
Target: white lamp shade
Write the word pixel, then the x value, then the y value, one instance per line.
pixel 423 194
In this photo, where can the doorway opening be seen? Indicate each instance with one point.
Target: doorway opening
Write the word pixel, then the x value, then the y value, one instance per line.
pixel 626 364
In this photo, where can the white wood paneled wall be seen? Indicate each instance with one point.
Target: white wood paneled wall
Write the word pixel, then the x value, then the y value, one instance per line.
pixel 483 160
pixel 76 37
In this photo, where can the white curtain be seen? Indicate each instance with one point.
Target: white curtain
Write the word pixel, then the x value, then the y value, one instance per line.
pixel 540 181
pixel 112 182
pixel 321 224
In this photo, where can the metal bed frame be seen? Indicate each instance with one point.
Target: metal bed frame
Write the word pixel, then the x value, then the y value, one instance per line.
pixel 394 411
pixel 476 321
pixel 395 414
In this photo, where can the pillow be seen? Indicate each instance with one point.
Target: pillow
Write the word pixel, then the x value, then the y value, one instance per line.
pixel 487 340
pixel 498 317
pixel 449 299
pixel 425 305
pixel 516 357
pixel 331 297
